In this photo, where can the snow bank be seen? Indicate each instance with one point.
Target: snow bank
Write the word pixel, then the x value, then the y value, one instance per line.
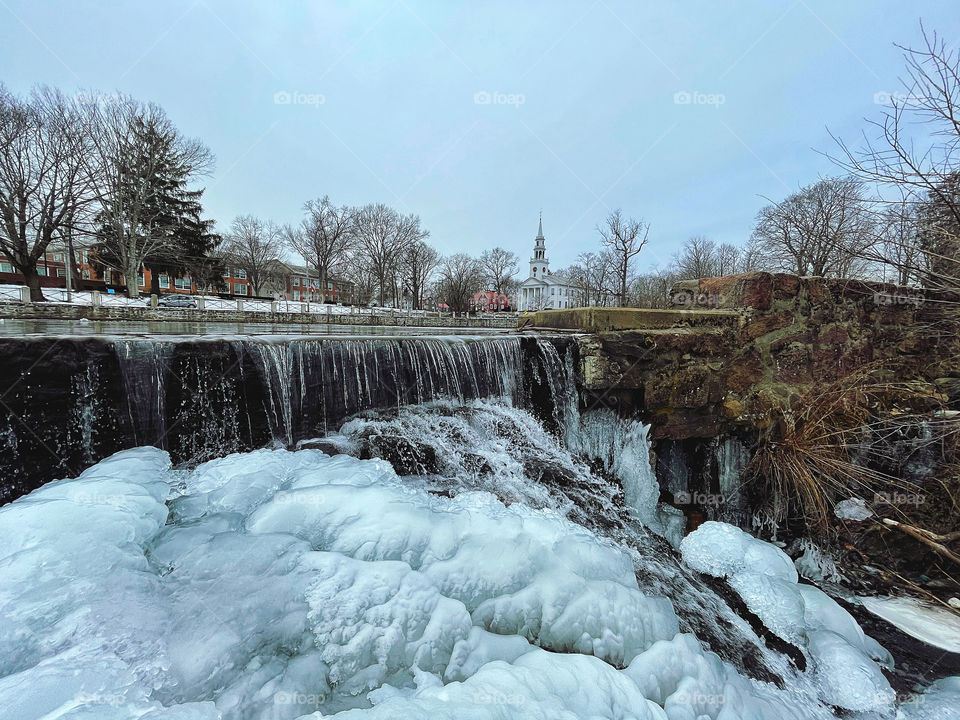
pixel 282 585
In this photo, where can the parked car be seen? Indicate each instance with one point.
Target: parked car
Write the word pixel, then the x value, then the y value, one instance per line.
pixel 175 301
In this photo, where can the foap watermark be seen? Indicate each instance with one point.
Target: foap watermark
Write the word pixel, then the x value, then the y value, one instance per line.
pixel 882 97
pixel 899 498
pixel 484 697
pixel 97 98
pixel 284 97
pixel 314 700
pixel 112 699
pixel 86 497
pixel 297 498
pixel 703 499
pixel 482 97
pixel 688 298
pixel 698 699
pixel 695 97
pixel 897 298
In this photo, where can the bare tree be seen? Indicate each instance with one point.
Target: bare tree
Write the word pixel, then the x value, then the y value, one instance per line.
pixel 751 257
pixel 697 258
pixel 460 276
pixel 384 235
pixel 253 245
pixel 500 266
pixel 134 145
pixel 652 289
pixel 323 237
pixel 825 229
pixel 624 239
pixel 915 172
pixel 728 259
pixel 591 278
pixel 419 262
pixel 42 179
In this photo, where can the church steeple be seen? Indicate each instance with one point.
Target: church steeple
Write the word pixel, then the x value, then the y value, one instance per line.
pixel 539 265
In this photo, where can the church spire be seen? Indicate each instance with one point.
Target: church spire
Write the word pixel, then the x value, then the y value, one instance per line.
pixel 540 227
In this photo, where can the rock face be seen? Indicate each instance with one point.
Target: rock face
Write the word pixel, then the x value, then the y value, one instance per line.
pixel 703 383
pixel 701 377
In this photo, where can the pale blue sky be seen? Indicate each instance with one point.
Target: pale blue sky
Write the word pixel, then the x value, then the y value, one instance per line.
pixel 598 126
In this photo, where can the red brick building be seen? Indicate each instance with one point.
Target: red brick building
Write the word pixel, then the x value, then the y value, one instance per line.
pixel 489 301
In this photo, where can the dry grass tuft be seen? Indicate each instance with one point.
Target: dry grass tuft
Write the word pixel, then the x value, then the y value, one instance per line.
pixel 825 447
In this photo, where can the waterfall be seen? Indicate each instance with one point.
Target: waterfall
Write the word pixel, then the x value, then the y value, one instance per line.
pixel 81 399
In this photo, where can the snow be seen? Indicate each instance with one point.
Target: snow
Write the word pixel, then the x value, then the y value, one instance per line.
pixel 928 623
pixel 277 584
pixel 844 660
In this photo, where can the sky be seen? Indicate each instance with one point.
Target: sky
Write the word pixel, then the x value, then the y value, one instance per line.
pixel 477 116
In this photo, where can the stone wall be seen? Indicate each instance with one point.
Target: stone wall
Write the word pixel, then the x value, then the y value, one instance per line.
pixel 43 311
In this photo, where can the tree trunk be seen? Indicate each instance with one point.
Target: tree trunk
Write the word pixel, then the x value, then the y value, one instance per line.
pixel 32 279
pixel 131 277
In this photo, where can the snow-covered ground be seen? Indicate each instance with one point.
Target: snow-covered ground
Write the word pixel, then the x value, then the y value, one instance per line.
pixel 278 584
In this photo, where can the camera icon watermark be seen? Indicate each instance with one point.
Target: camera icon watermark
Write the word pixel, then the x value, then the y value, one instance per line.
pixel 482 97
pixel 695 97
pixel 284 97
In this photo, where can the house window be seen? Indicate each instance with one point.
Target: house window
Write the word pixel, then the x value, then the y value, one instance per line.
pixel 165 281
pixel 296 294
pixel 329 286
pixel 226 272
pixel 240 273
pixel 239 289
pixel 41 270
pixel 61 272
pixel 85 274
pixel 6 267
pixel 296 283
pixel 182 283
pixel 141 281
pixel 58 257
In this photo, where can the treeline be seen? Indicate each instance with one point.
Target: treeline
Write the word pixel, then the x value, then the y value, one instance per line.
pixel 114 175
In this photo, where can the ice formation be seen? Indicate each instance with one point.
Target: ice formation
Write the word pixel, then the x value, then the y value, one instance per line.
pixel 278 584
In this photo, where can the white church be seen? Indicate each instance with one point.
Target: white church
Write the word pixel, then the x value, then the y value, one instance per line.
pixel 543 291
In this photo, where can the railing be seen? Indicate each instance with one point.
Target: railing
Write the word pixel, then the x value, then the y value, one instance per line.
pixel 114 300
pixel 257 305
pixel 218 303
pixel 59 296
pixel 12 293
